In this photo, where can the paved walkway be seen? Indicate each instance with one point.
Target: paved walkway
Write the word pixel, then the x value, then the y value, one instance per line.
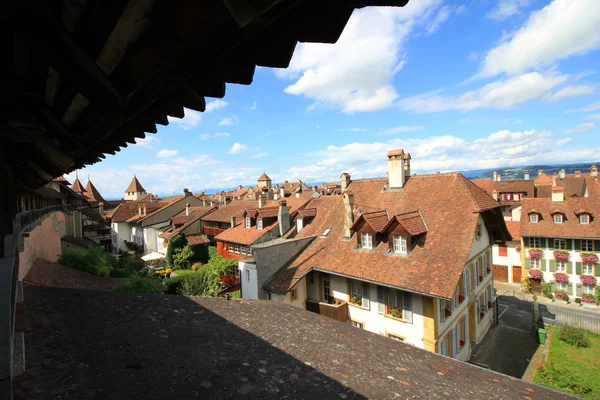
pixel 49 274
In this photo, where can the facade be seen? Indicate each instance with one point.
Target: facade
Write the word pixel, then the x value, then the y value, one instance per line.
pixel 392 256
pixel 220 220
pixel 189 223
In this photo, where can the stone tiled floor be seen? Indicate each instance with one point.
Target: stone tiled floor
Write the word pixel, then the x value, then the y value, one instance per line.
pixel 98 345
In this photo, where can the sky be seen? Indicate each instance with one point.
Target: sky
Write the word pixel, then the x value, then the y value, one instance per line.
pixel 459 84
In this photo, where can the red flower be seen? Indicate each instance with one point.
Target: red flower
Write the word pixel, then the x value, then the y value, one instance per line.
pixel 488 270
pixel 462 343
pixel 481 279
pixel 460 298
pixel 490 304
pixel 482 314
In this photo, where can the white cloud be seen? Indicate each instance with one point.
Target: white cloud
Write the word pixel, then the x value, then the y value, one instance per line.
pixel 237 147
pixel 221 134
pixel 191 119
pixel 216 105
pixel 401 129
pixel 260 155
pixel 166 153
pixel 588 108
pixel 581 128
pixel 561 29
pixel 204 136
pixel 571 91
pixel 355 74
pixel 501 94
pixel 562 142
pixel 229 121
pixel 252 107
pixel 592 117
pixel 436 22
pixel 507 8
pixel 147 141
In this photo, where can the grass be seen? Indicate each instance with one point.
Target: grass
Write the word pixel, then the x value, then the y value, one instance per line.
pixel 573 370
pixel 138 284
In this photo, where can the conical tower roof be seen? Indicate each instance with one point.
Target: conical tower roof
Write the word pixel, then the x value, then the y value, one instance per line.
pixel 92 193
pixel 135 186
pixel 77 187
pixel 264 177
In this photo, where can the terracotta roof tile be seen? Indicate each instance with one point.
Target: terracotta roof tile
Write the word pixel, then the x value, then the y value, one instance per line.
pixel 77 186
pixel 234 208
pixel 92 193
pixel 247 236
pixel 308 212
pixel 412 222
pixel 514 227
pixel 135 186
pixel 195 239
pixel 377 219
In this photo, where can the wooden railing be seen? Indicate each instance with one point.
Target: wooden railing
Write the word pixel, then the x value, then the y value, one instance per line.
pixel 335 311
pixel 210 231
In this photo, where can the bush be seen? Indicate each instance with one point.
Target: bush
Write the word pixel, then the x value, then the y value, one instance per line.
pixel 193 285
pixel 547 289
pixel 95 261
pixel 138 284
pixel 565 297
pixel 182 257
pixel 550 296
pixel 578 300
pixel 236 295
pixel 176 242
pixel 197 266
pixel 574 336
pixel 555 378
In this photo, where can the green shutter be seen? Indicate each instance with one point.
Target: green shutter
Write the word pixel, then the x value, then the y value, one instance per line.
pixel 578 268
pixel 543 265
pixel 552 265
pixel 578 289
pixel 527 263
pixel 597 245
pixel 569 244
pixel 526 242
pixel 569 267
pixel 577 244
pixel 597 268
pixel 570 288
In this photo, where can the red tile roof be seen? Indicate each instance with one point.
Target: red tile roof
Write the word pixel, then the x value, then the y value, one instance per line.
pixel 234 208
pixel 514 227
pixel 378 220
pixel 412 222
pixel 449 205
pixel 92 193
pixel 77 186
pixel 135 186
pixel 246 236
pixel 195 239
pixel 308 212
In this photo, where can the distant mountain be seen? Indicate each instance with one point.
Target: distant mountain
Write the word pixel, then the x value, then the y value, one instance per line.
pixel 517 172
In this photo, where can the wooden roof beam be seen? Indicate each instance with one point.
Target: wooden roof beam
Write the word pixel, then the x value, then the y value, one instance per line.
pixel 44 144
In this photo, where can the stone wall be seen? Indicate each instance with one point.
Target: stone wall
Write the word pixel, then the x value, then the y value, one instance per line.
pixel 43 242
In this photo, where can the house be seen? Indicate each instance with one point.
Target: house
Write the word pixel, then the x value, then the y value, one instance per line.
pixel 396 256
pixel 218 221
pixel 188 223
pixel 561 239
pixel 135 190
pixel 257 225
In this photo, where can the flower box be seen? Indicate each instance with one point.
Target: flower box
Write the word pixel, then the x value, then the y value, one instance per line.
pixel 561 255
pixel 356 300
pixel 588 280
pixel 588 298
pixel 481 314
pixel 448 311
pixel 535 253
pixel 461 298
pixel 535 273
pixel 589 258
pixel 490 304
pixel 518 249
pixel 461 343
pixel 488 270
pixel 395 312
pixel 561 277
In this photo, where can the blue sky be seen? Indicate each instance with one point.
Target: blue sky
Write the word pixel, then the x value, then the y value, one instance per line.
pixel 459 85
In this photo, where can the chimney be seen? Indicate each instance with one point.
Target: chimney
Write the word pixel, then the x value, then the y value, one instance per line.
pixel 499 178
pixel 526 175
pixel 204 202
pixel 101 208
pixel 187 209
pixel 225 198
pixel 262 200
pixel 345 181
pixel 186 192
pixel 283 217
pixel 407 165
pixel 540 172
pixel 554 179
pixel 144 210
pixel 577 174
pixel 396 176
pixel 558 194
pixel 240 187
pixel 232 219
pixel 282 192
pixel 495 176
pixel 561 173
pixel 495 194
pixel 348 198
pixel 593 171
pixel 221 197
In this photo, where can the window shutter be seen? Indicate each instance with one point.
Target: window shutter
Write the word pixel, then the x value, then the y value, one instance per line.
pixel 569 267
pixel 569 244
pixel 597 268
pixel 366 303
pixel 527 243
pixel 578 289
pixel 577 244
pixel 596 245
pixel 552 265
pixel 546 244
pixel 408 307
pixel 543 265
pixel 570 288
pixel 527 263
pixel 578 268
pixel 380 300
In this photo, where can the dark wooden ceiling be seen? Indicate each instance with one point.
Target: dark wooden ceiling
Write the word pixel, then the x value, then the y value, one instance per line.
pixel 85 78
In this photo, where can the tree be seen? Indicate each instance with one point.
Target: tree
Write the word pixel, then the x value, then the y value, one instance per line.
pixel 176 242
pixel 182 257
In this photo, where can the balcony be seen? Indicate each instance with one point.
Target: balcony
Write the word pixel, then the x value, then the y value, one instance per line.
pixel 210 231
pixel 337 311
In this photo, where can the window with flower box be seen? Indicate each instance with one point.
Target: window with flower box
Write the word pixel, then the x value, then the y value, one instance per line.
pixel 445 309
pixel 535 263
pixel 587 289
pixel 561 266
pixel 560 244
pixel 259 223
pixel 587 245
pixel 366 240
pixel 561 286
pixel 535 242
pixel 588 269
pixel 359 293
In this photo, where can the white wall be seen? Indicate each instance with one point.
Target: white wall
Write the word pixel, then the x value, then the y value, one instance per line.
pixel 249 289
pixel 513 257
pixel 150 235
pixel 482 243
pixel 123 232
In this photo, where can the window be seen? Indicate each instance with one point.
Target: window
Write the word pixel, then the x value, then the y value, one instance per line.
pixel 357 324
pixel 558 218
pixel 443 348
pixel 477 271
pixel 381 308
pixel 587 245
pixel 445 309
pixel 326 232
pixel 396 338
pixel 560 244
pixel 535 242
pixel 399 243
pixel 467 280
pixel 299 224
pixel 455 298
pixel 259 224
pixel 561 266
pixel 455 340
pixel 465 328
pixel 588 269
pixel 533 218
pixel 395 304
pixel 326 291
pixel 502 250
pixel 588 289
pixel 561 286
pixel 359 293
pixel 366 240
pixel 584 219
pixel 478 232
pixel 248 276
pixel 294 294
pixel 535 263
pixel 248 222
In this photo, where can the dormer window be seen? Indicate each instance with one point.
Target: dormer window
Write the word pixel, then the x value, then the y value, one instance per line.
pixel 558 218
pixel 534 218
pixel 259 223
pixel 584 219
pixel 366 240
pixel 400 245
pixel 248 222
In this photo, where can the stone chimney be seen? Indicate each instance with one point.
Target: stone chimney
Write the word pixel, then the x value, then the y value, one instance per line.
pixel 526 175
pixel 561 173
pixel 540 172
pixel 232 219
pixel 558 194
pixel 593 170
pixel 282 192
pixel 554 179
pixel 396 173
pixel 144 211
pixel 262 200
pixel 499 178
pixel 101 208
pixel 283 217
pixel 240 187
pixel 225 200
pixel 186 192
pixel 577 174
pixel 187 209
pixel 204 202
pixel 495 194
pixel 348 198
pixel 345 181
pixel 221 197
pixel 495 176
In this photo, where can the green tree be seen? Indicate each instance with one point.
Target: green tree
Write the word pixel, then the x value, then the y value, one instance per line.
pixel 176 242
pixel 207 281
pixel 182 257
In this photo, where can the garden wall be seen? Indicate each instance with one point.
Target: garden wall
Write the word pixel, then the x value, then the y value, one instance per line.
pixel 43 242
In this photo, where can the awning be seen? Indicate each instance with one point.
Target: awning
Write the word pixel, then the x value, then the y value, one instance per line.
pixel 153 256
